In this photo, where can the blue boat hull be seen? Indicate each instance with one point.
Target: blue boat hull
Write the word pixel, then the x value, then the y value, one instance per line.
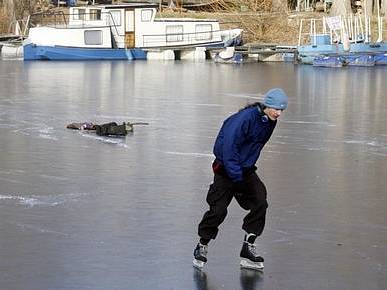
pixel 328 61
pixel 307 53
pixel 381 59
pixel 359 60
pixel 37 52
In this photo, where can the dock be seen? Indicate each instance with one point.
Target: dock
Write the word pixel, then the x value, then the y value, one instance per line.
pixel 9 37
pixel 266 52
pixel 259 52
pixel 269 52
pixel 265 49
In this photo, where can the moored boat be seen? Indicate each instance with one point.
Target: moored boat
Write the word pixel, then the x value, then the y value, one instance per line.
pixel 124 31
pixel 336 36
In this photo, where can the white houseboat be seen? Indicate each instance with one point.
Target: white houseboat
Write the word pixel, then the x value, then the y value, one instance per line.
pixel 125 31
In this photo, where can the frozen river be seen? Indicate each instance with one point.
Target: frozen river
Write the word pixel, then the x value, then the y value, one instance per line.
pixel 78 211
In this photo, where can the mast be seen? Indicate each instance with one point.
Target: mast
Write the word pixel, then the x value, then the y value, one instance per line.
pixel 366 22
pixel 380 24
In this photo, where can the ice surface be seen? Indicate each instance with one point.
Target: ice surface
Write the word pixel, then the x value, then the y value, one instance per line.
pixel 79 211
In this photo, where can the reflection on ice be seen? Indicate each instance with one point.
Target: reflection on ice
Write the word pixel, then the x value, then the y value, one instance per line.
pixel 251 279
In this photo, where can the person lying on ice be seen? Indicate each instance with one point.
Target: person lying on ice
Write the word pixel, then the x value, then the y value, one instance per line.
pixel 237 149
pixel 108 129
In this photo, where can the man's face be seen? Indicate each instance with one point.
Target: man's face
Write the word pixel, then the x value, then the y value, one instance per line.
pixel 272 113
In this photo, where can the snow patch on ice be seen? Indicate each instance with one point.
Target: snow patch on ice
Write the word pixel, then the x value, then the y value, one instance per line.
pixel 36 200
pixel 39 229
pixel 244 96
pixel 119 141
pixel 375 147
pixel 49 137
pixel 53 177
pixel 309 122
pixel 208 105
pixel 46 130
pixel 361 142
pixel 29 201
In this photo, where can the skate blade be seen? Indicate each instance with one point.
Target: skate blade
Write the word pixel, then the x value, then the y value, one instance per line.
pixel 198 264
pixel 247 264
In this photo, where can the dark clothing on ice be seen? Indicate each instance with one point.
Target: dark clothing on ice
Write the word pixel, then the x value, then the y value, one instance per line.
pixel 237 149
pixel 250 194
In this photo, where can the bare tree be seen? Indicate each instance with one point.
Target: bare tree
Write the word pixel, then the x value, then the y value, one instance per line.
pixel 279 5
pixel 17 9
pixel 372 6
pixel 13 12
pixel 9 7
pixel 342 7
pixel 384 7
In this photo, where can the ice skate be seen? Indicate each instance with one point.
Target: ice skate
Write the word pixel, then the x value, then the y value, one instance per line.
pixel 250 259
pixel 200 256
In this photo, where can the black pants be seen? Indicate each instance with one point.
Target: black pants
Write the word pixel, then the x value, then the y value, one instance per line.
pixel 250 194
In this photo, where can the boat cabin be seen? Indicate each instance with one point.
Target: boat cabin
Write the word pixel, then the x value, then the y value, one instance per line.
pixel 135 25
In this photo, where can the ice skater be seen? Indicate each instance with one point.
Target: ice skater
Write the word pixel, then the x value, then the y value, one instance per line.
pixel 237 149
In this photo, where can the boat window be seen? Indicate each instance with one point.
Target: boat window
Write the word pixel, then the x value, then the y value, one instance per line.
pixel 115 18
pixel 146 15
pixel 174 33
pixel 80 14
pixel 203 31
pixel 93 37
pixel 95 14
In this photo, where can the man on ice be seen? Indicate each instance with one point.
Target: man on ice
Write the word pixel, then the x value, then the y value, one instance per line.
pixel 237 149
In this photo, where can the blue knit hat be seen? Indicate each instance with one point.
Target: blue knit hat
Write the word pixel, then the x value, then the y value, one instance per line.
pixel 276 99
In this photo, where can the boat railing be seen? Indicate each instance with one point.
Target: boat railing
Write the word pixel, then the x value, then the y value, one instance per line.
pixel 18 29
pixel 48 18
pixel 59 19
pixel 337 29
pixel 310 29
pixel 94 18
pixel 177 39
pixel 113 25
pixel 305 5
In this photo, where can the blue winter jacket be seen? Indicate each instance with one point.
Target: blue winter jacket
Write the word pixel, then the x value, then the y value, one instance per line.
pixel 241 139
